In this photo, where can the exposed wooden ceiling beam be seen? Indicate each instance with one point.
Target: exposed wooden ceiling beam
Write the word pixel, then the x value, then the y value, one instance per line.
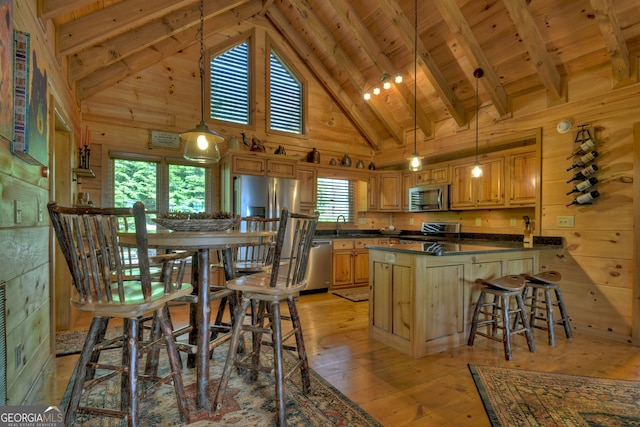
pixel 425 62
pixel 107 76
pixel 315 66
pixel 536 46
pixel 460 27
pixel 125 44
pixel 111 21
pixel 323 38
pixel 49 9
pixel 362 34
pixel 613 38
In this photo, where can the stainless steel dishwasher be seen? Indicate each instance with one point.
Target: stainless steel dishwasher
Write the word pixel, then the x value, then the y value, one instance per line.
pixel 320 267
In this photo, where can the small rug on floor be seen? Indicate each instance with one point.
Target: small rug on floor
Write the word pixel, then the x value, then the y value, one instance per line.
pixel 71 342
pixel 245 403
pixel 354 294
pixel 516 397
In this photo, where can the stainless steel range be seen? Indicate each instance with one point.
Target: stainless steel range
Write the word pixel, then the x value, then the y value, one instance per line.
pixel 441 230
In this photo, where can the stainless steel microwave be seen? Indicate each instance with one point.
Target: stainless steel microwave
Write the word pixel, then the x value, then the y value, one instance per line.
pixel 429 198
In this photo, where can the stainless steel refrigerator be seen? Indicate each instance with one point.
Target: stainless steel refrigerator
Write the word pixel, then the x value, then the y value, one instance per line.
pixel 264 197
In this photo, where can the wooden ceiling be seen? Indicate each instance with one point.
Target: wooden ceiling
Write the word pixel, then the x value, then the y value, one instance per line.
pixel 522 46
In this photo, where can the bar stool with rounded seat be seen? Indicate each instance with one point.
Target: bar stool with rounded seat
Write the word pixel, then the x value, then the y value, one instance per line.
pixel 497 313
pixel 544 282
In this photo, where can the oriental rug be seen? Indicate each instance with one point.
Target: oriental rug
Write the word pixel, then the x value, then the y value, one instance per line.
pixel 245 403
pixel 71 342
pixel 516 397
pixel 354 294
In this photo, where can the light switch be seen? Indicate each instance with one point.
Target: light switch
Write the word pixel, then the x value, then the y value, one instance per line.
pixel 565 221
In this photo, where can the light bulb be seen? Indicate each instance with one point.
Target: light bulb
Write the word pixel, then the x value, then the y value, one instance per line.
pixel 367 96
pixel 398 78
pixel 203 144
pixel 476 172
pixel 415 162
pixel 376 90
pixel 386 85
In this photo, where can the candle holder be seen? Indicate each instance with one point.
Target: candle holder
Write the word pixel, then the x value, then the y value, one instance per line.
pixel 85 156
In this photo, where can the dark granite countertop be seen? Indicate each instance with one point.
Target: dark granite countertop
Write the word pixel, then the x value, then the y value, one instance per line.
pixel 462 247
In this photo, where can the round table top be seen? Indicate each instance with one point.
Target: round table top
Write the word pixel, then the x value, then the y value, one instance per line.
pixel 196 239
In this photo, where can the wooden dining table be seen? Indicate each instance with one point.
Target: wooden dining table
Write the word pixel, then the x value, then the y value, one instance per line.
pixel 202 242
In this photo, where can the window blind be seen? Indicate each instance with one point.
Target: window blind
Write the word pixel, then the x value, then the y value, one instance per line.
pixel 285 98
pixel 229 83
pixel 335 197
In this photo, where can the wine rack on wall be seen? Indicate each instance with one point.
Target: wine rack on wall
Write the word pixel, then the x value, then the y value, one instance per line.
pixel 584 180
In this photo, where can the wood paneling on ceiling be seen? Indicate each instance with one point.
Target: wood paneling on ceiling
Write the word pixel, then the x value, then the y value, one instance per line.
pixel 523 46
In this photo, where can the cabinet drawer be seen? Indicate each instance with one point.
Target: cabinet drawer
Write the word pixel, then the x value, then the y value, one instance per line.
pixel 360 243
pixel 342 244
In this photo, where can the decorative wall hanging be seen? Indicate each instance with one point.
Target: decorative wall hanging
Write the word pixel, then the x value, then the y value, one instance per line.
pixel 6 70
pixel 583 157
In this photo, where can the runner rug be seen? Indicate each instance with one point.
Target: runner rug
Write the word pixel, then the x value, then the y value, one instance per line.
pixel 245 404
pixel 515 397
pixel 354 294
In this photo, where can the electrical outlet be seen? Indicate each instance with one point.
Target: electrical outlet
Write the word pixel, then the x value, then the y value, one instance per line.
pixel 363 221
pixel 565 221
pixel 513 222
pixel 411 221
pixel 18 211
pixel 478 222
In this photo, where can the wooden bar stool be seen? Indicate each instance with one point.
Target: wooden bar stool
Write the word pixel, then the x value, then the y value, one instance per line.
pixel 497 314
pixel 544 282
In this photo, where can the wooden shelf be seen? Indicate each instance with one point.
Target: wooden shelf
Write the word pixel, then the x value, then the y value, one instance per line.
pixel 84 172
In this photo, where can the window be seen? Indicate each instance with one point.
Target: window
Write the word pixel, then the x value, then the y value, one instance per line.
pixel 285 97
pixel 335 197
pixel 162 186
pixel 229 82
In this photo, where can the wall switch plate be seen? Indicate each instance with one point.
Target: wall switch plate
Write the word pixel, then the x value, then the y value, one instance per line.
pixel 363 221
pixel 478 222
pixel 18 211
pixel 411 221
pixel 565 221
pixel 513 222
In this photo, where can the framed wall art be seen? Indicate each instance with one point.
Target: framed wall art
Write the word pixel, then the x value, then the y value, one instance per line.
pixel 6 70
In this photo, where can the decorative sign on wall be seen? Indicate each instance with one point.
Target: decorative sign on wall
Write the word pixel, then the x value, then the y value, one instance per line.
pixel 6 70
pixel 160 139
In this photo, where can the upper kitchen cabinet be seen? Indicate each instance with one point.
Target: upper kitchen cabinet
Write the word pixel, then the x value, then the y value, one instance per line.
pixel 486 191
pixel 523 178
pixel 438 174
pixel 261 164
pixel 385 191
pixel 308 177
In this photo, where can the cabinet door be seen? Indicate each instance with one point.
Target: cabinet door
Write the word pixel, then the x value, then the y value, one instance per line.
pixel 423 177
pixel 249 166
pixel 308 188
pixel 408 181
pixel 281 168
pixel 342 269
pixel 444 310
pixel 373 192
pixel 361 267
pixel 381 301
pixel 522 180
pixel 462 187
pixel 490 186
pixel 402 308
pixel 390 192
pixel 440 175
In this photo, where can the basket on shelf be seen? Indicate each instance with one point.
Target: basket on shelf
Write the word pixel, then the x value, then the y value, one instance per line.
pixel 198 224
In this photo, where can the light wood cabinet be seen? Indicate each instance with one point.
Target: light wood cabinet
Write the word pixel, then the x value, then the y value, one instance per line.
pixel 392 284
pixel 256 164
pixel 308 188
pixel 523 179
pixel 373 192
pixel 486 191
pixel 351 261
pixel 435 175
pixel 385 191
pixel 408 181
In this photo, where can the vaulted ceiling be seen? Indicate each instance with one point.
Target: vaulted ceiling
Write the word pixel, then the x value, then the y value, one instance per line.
pixel 522 46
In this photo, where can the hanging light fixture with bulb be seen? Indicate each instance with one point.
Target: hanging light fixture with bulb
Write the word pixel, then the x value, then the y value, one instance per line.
pixel 415 161
pixel 201 143
pixel 476 172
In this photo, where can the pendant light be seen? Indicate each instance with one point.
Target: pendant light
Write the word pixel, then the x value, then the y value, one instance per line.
pixel 476 172
pixel 415 161
pixel 201 143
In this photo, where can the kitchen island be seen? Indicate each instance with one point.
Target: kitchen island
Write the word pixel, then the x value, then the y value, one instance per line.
pixel 422 294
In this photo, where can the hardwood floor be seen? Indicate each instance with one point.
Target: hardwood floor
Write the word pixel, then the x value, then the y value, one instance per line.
pixel 398 390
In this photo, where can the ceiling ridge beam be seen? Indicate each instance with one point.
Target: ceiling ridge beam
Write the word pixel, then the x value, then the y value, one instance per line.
pixel 280 22
pixel 111 21
pixel 107 76
pixel 384 64
pixel 313 26
pixel 459 25
pixel 426 63
pixel 536 46
pixel 123 45
pixel 613 38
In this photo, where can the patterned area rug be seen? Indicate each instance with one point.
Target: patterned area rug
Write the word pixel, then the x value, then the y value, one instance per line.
pixel 245 404
pixel 70 342
pixel 354 294
pixel 515 397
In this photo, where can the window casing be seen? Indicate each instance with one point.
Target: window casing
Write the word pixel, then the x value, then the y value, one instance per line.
pixel 335 197
pixel 229 83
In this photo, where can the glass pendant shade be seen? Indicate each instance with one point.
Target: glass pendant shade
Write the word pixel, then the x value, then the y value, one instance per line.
pixel 476 172
pixel 415 162
pixel 201 144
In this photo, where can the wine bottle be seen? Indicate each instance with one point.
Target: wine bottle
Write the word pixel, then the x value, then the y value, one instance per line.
pixel 585 198
pixel 584 173
pixel 583 148
pixel 584 185
pixel 583 160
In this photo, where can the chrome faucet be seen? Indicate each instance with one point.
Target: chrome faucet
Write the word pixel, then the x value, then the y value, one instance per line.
pixel 344 221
